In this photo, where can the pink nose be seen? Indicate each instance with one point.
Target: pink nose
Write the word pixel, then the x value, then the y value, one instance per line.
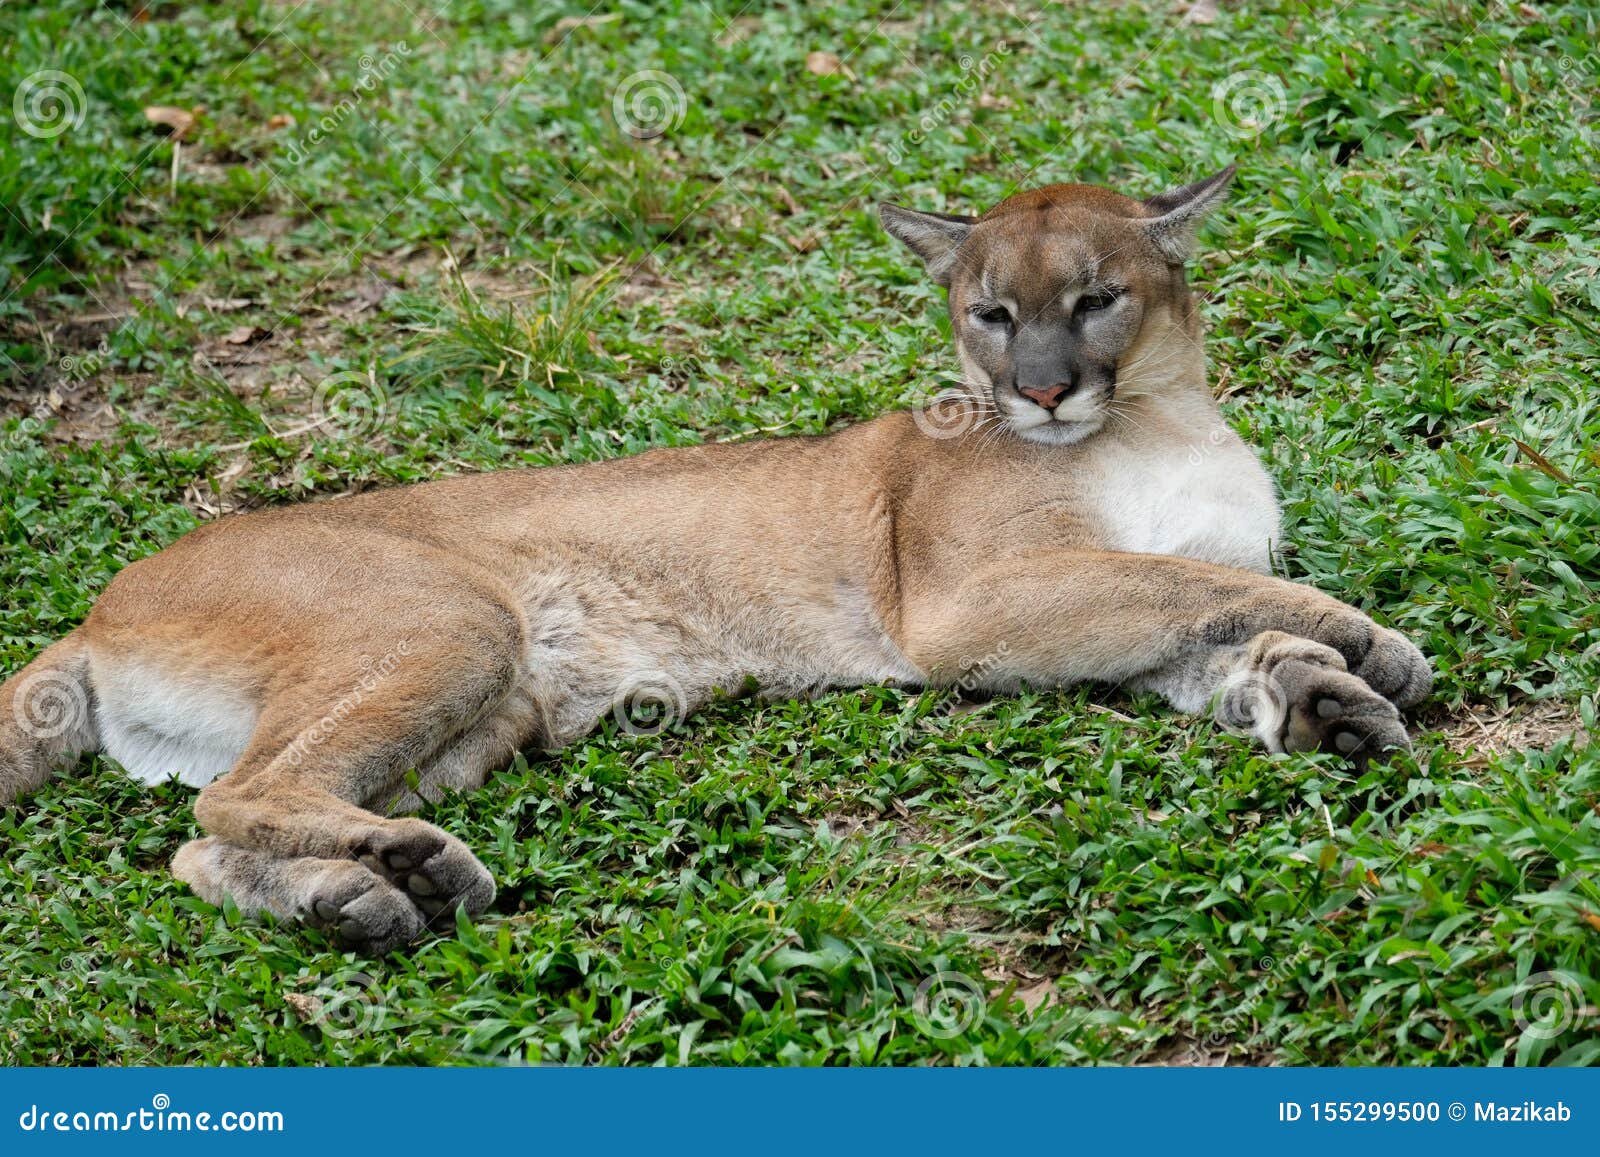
pixel 1049 397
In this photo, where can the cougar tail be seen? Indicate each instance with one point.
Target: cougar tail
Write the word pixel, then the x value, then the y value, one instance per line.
pixel 46 717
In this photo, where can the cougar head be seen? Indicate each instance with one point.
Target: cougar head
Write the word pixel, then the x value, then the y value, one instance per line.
pixel 1064 297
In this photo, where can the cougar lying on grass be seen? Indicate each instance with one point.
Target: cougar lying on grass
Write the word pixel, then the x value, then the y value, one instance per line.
pixel 1081 514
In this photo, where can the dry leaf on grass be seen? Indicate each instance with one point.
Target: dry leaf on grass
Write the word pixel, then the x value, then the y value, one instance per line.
pixel 827 64
pixel 245 335
pixel 740 30
pixel 570 23
pixel 305 1006
pixel 179 122
pixel 783 194
pixel 1037 996
pixel 227 304
pixel 370 294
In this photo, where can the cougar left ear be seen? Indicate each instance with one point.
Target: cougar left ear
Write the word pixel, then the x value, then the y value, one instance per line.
pixel 1176 216
pixel 934 237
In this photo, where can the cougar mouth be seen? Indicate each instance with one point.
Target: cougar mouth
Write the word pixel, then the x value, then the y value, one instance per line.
pixel 1058 431
pixel 1073 420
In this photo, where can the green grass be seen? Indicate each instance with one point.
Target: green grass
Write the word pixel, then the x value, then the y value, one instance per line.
pixel 1405 311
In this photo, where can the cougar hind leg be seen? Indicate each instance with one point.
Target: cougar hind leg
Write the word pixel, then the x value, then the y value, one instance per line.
pixel 466 761
pixel 345 897
pixel 325 754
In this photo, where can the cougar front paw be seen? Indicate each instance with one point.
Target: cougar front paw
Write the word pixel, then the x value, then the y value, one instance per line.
pixel 433 868
pixel 1385 660
pixel 1309 704
pixel 365 911
pixel 1395 668
pixel 1295 694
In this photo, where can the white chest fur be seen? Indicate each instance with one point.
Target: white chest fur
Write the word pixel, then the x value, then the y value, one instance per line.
pixel 1206 499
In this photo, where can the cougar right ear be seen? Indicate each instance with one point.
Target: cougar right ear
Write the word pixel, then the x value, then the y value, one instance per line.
pixel 934 237
pixel 1176 216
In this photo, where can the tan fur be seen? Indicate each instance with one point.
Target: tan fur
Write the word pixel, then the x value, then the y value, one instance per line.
pixel 325 652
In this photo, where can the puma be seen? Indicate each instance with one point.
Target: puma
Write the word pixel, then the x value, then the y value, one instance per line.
pixel 1080 512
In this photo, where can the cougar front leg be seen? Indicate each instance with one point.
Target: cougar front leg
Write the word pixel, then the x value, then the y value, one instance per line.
pixel 1183 628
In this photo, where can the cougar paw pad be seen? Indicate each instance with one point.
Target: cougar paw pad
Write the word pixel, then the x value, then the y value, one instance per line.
pixel 364 911
pixel 1328 710
pixel 435 870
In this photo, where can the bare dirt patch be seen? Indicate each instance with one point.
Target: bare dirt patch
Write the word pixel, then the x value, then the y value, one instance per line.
pixel 1482 731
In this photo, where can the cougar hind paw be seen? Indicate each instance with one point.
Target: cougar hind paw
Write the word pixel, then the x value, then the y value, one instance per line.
pixel 1385 660
pixel 362 909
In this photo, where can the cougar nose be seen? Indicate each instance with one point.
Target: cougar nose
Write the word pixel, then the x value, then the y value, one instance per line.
pixel 1048 396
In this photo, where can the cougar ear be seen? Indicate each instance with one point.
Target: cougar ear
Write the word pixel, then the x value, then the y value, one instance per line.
pixel 1176 216
pixel 934 237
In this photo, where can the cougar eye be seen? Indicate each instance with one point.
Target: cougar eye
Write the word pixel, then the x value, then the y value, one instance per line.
pixel 1095 301
pixel 994 315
